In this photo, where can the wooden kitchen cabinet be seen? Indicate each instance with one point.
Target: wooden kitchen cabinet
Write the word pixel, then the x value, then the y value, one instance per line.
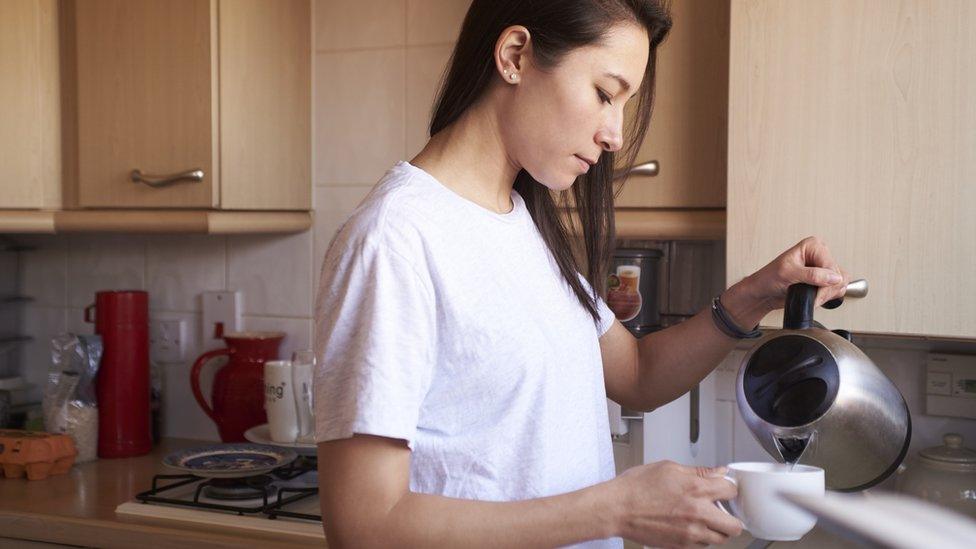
pixel 30 135
pixel 169 86
pixel 687 134
pixel 855 121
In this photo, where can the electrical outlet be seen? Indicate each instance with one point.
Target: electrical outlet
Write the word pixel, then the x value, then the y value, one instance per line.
pixel 221 314
pixel 167 340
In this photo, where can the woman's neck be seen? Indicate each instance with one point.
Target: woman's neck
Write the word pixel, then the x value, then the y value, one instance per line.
pixel 469 157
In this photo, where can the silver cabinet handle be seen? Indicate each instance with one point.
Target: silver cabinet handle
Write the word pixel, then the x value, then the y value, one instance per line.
pixel 649 168
pixel 156 181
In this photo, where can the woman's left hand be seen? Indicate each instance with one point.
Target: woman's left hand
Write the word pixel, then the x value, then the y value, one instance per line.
pixel 809 261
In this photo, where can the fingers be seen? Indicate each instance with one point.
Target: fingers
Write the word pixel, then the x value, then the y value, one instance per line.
pixel 721 523
pixel 819 276
pixel 707 536
pixel 718 489
pixel 708 472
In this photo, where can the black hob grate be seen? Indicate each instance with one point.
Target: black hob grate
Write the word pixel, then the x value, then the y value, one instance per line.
pixel 241 493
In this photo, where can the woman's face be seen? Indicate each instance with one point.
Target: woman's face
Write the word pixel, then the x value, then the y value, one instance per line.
pixel 557 120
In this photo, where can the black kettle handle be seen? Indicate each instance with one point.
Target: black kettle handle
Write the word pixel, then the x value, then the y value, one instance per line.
pixel 800 299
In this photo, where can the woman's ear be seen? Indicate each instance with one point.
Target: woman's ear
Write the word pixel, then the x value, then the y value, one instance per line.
pixel 512 52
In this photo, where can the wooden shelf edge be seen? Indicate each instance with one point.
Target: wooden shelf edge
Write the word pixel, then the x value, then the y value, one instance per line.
pixel 26 221
pixel 181 221
pixel 666 224
pixel 153 221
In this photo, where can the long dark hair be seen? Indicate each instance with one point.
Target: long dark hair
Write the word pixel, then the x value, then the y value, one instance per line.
pixel 556 27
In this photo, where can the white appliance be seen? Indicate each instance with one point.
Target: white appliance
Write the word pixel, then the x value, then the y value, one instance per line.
pixel 668 432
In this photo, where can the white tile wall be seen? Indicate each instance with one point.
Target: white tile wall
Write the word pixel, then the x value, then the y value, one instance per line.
pixel 356 24
pixel 425 69
pixel 434 21
pixel 274 272
pixel 43 271
pixel 42 323
pixel 360 106
pixel 179 267
pixel 104 262
pixel 298 331
pixel 182 416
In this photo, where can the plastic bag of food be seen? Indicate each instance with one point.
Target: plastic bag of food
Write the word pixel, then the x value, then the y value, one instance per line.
pixel 70 405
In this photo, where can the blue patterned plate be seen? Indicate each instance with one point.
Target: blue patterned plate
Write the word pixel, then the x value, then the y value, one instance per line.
pixel 229 460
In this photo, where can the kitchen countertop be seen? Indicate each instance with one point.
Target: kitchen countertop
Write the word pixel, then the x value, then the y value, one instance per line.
pixel 78 508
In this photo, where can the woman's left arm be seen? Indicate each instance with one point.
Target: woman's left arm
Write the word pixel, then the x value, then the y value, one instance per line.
pixel 672 361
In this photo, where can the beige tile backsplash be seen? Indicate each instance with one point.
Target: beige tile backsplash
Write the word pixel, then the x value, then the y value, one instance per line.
pixel 97 262
pixel 356 24
pixel 177 269
pixel 434 21
pixel 360 106
pixel 425 69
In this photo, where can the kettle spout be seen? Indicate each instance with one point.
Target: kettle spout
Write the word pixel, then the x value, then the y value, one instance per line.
pixel 792 449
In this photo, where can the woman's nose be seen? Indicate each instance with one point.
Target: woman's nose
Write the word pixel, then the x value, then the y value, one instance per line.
pixel 610 136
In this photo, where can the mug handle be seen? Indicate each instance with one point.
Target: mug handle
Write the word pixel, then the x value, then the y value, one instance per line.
pixel 722 504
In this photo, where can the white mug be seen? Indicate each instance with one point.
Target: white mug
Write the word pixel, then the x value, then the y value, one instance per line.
pixel 764 513
pixel 279 401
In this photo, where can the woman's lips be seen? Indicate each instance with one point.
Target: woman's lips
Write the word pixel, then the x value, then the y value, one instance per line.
pixel 584 165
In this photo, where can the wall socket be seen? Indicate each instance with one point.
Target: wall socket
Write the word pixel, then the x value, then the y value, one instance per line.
pixel 221 314
pixel 167 340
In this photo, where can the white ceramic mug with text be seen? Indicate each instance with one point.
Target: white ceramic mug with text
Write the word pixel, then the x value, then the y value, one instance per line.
pixel 760 508
pixel 279 401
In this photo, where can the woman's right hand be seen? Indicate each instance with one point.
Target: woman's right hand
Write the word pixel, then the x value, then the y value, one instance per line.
pixel 665 504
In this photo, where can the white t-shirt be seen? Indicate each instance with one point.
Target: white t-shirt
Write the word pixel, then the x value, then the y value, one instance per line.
pixel 450 326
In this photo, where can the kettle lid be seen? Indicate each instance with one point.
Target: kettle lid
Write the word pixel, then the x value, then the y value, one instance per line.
pixel 952 452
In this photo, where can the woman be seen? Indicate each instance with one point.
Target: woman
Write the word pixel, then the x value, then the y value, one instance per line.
pixel 465 361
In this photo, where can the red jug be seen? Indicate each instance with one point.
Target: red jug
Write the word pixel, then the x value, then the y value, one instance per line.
pixel 238 387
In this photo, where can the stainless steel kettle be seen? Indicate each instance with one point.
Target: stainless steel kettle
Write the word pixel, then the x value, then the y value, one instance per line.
pixel 810 395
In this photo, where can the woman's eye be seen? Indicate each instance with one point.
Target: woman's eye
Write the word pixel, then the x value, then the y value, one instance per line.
pixel 603 97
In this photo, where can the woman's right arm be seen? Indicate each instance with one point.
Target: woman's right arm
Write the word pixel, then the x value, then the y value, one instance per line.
pixel 366 502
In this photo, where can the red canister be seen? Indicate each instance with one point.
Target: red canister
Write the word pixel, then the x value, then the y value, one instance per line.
pixel 122 319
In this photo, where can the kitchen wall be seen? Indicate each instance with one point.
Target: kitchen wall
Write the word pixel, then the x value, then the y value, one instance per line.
pixel 377 64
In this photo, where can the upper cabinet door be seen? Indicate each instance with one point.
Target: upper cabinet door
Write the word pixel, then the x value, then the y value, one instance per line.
pixel 266 104
pixel 146 75
pixel 856 121
pixel 30 135
pixel 688 130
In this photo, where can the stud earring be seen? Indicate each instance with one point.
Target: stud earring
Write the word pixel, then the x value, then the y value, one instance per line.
pixel 513 76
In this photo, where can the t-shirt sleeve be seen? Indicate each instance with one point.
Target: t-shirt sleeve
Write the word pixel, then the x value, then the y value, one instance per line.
pixel 375 339
pixel 606 315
